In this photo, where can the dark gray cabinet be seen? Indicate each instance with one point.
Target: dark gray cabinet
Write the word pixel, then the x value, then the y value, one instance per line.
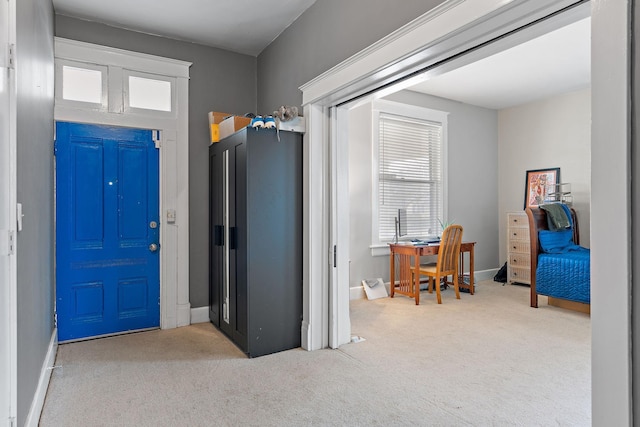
pixel 255 211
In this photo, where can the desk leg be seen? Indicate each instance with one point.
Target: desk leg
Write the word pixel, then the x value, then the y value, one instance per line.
pixel 471 268
pixel 461 269
pixel 416 277
pixel 392 274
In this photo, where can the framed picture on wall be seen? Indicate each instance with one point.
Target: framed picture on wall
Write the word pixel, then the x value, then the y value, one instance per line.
pixel 537 184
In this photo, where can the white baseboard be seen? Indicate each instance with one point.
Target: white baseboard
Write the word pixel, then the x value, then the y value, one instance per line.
pixel 485 274
pixel 33 418
pixel 305 334
pixel 357 292
pixel 183 314
pixel 200 314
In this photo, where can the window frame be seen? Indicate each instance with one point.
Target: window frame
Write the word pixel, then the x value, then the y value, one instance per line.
pixel 378 247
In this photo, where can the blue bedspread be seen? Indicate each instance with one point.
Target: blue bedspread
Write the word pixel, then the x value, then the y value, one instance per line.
pixel 565 275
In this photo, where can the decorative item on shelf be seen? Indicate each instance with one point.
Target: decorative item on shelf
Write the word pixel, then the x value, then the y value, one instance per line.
pixel 286 113
pixel 288 118
pixel 257 122
pixel 269 122
pixel 559 193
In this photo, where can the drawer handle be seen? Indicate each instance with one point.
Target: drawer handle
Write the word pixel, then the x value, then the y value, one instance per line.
pixel 514 247
pixel 515 261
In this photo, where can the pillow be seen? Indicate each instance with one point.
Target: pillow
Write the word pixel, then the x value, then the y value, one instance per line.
pixel 555 242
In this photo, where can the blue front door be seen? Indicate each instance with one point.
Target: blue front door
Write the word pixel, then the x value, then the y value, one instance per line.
pixel 107 230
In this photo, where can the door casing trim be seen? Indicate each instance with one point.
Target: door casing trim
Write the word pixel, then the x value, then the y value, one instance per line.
pixel 175 308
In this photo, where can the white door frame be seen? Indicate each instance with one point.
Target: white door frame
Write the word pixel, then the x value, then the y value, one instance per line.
pixel 8 223
pixel 447 30
pixel 339 332
pixel 175 309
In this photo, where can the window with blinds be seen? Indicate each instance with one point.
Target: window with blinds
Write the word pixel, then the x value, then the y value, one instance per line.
pixel 410 175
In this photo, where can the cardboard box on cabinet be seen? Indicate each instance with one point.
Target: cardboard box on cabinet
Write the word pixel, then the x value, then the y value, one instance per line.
pixel 215 118
pixel 232 124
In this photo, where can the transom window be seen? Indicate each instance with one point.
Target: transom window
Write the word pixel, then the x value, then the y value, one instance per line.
pixel 81 84
pixel 114 89
pixel 148 92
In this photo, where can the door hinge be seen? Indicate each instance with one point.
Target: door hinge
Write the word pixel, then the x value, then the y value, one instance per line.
pixel 10 245
pixel 12 421
pixel 12 56
pixel 157 138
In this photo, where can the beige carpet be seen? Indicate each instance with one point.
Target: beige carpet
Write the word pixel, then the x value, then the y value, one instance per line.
pixel 485 360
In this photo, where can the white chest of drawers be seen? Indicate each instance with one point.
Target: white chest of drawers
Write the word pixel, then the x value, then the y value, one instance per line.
pixel 518 248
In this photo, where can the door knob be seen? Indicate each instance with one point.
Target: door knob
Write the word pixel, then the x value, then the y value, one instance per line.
pixel 153 247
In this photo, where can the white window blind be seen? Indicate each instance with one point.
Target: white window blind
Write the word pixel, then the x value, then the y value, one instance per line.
pixel 410 175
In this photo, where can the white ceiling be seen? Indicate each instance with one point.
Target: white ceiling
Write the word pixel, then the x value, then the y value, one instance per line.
pixel 554 63
pixel 244 26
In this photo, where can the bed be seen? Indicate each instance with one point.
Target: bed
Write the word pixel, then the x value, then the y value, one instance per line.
pixel 560 267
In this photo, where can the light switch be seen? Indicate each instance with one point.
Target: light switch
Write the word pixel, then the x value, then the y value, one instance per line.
pixel 171 216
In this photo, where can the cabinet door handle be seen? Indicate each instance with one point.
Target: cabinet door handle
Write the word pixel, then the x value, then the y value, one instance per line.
pixel 233 237
pixel 218 235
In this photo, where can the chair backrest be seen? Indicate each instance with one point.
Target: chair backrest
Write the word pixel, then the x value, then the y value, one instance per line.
pixel 449 250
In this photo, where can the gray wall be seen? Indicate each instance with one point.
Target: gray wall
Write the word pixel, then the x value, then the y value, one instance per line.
pixel 329 32
pixel 326 34
pixel 34 71
pixel 219 81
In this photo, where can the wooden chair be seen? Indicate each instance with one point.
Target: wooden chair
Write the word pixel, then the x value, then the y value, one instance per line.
pixel 447 263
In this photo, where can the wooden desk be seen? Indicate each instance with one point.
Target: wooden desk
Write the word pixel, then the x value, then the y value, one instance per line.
pixel 409 255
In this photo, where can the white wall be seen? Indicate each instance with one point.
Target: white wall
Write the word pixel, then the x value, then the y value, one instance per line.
pixel 555 132
pixel 471 172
